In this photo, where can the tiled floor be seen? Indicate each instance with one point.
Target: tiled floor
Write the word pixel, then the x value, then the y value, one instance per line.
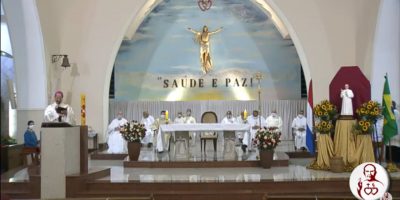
pixel 296 171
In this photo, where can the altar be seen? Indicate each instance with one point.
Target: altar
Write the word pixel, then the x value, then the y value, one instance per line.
pixel 204 127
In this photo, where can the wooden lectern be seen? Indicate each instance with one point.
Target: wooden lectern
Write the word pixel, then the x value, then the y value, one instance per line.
pixel 63 152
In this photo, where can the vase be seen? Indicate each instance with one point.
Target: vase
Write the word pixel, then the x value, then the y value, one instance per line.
pixel 134 150
pixel 266 158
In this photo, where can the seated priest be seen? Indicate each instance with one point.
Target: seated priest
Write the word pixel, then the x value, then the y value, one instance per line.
pixel 116 143
pixel 240 134
pixel 299 126
pixel 148 121
pixel 274 121
pixel 255 121
pixel 58 111
pixel 156 127
pixel 228 119
pixel 180 119
pixel 189 119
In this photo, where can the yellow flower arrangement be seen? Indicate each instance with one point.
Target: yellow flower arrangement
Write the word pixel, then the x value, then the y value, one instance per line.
pixel 364 127
pixel 369 110
pixel 368 114
pixel 324 127
pixel 325 110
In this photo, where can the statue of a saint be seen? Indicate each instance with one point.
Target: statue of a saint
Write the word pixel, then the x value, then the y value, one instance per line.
pixel 347 106
pixel 203 38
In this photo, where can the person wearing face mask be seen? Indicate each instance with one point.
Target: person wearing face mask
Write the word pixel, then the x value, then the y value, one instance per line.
pixel 274 121
pixel 156 126
pixel 228 119
pixel 58 111
pixel 116 143
pixel 240 134
pixel 189 119
pixel 299 125
pixel 254 122
pixel 180 119
pixel 148 121
pixel 30 139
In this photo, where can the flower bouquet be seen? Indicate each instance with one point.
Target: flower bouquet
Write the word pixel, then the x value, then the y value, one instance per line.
pixel 368 113
pixel 324 127
pixel 267 138
pixel 133 131
pixel 325 110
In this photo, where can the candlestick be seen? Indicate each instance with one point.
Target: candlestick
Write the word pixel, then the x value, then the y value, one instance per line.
pixel 83 109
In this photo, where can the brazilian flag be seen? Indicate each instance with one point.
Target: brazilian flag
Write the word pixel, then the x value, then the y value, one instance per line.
pixel 390 126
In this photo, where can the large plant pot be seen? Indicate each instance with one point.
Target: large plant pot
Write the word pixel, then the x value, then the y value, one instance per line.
pixel 134 150
pixel 266 158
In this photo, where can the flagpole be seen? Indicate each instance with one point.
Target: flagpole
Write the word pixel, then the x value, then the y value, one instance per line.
pixel 376 146
pixel 391 167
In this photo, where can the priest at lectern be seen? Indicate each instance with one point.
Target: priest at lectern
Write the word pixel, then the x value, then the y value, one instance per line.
pixel 58 111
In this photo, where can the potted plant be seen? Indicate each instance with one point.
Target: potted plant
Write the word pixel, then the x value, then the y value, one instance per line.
pixel 133 132
pixel 266 140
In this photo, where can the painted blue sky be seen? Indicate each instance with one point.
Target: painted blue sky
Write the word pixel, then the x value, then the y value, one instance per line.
pixel 163 48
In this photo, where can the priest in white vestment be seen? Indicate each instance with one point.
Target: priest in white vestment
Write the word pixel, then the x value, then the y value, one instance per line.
pixel 162 143
pixel 241 120
pixel 116 143
pixel 228 119
pixel 189 119
pixel 254 122
pixel 274 121
pixel 58 111
pixel 148 121
pixel 180 119
pixel 347 105
pixel 299 126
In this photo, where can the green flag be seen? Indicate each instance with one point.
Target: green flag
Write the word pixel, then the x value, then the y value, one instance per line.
pixel 390 126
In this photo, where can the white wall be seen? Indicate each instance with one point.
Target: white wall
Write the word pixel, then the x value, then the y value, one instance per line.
pixel 327 34
pixel 386 51
pixel 90 32
pixel 28 52
pixel 30 69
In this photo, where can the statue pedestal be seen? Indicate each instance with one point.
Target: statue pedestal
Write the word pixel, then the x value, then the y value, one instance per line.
pixel 344 142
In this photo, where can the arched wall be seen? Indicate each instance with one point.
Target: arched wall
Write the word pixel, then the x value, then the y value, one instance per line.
pixel 29 61
pixel 326 35
pixel 386 51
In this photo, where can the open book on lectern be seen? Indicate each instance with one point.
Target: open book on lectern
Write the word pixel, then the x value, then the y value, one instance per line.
pixel 60 110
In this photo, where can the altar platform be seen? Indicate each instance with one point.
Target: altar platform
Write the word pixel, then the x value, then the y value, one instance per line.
pixel 111 179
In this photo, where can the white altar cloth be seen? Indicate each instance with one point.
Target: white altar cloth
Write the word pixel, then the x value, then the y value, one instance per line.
pixel 206 127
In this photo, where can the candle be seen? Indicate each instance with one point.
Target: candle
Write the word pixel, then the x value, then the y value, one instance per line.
pixel 245 114
pixel 166 115
pixel 83 109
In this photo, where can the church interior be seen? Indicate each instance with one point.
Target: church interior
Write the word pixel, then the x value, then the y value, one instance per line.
pixel 200 99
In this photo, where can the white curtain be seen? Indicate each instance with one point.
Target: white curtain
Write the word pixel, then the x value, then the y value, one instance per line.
pixel 133 110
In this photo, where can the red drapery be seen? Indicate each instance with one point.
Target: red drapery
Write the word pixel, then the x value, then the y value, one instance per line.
pixel 358 83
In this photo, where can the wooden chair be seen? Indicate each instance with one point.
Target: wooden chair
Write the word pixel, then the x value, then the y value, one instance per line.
pixel 208 117
pixel 33 152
